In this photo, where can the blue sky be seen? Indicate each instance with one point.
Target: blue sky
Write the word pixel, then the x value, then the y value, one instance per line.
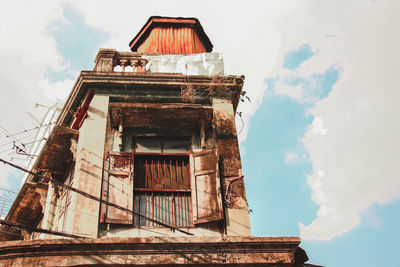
pixel 78 52
pixel 276 129
pixel 319 146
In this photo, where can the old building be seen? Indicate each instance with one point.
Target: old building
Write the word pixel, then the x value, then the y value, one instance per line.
pixel 143 166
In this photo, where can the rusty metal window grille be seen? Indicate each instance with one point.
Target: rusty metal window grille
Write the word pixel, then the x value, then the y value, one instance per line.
pixel 162 189
pixel 157 172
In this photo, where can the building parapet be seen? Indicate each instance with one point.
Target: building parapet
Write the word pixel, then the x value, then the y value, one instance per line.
pixel 111 60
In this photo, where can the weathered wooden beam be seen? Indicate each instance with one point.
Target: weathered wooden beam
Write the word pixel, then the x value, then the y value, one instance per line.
pixel 159 105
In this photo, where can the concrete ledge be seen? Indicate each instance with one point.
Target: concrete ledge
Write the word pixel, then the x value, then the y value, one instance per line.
pixel 230 250
pixel 125 83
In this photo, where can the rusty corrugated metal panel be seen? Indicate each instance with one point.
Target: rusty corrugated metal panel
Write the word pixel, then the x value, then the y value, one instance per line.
pixel 172 40
pixel 207 184
pixel 197 43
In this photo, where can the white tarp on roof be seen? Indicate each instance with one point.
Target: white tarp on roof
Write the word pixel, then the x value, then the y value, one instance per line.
pixel 193 64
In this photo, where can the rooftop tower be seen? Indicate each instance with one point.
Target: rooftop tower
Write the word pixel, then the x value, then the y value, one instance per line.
pixel 143 166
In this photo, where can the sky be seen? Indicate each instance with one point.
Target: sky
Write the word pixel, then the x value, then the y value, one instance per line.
pixel 319 142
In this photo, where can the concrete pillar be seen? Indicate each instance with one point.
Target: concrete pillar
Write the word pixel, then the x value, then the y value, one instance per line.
pixel 234 195
pixel 83 216
pixel 49 210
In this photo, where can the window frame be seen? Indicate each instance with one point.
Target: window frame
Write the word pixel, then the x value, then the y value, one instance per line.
pixel 162 153
pixel 205 191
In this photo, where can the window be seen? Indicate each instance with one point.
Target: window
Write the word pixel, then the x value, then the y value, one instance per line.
pixel 162 190
pixel 155 180
pixel 162 181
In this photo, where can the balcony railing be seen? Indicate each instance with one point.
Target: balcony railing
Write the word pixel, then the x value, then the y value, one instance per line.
pixel 108 60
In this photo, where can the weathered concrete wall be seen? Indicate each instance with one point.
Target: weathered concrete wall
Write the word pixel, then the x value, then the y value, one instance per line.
pixel 84 213
pixel 156 251
pixel 236 209
pixel 209 229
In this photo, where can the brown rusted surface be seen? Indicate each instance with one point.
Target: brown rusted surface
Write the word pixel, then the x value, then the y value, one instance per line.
pixel 158 115
pixel 171 35
pixel 225 124
pixel 27 210
pixel 230 169
pixel 120 164
pixel 56 155
pixel 229 156
pixel 246 251
pixel 230 164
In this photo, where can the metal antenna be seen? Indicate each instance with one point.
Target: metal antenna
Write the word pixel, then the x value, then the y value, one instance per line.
pixel 42 131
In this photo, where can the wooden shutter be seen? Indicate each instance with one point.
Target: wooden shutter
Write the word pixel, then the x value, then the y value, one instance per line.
pixel 118 188
pixel 207 187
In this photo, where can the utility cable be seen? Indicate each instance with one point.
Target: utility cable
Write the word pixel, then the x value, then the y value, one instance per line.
pixel 6 132
pixel 95 198
pixel 10 142
pixel 25 131
pixel 51 203
pixel 38 230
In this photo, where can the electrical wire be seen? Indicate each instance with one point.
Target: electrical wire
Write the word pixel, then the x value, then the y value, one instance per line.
pixel 6 132
pixel 25 131
pixel 38 230
pixel 57 205
pixel 96 198
pixel 11 142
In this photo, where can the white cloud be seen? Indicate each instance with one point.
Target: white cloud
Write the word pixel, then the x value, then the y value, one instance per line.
pixel 305 89
pixel 27 52
pixel 353 141
pixel 291 157
pixel 56 90
pixel 317 127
